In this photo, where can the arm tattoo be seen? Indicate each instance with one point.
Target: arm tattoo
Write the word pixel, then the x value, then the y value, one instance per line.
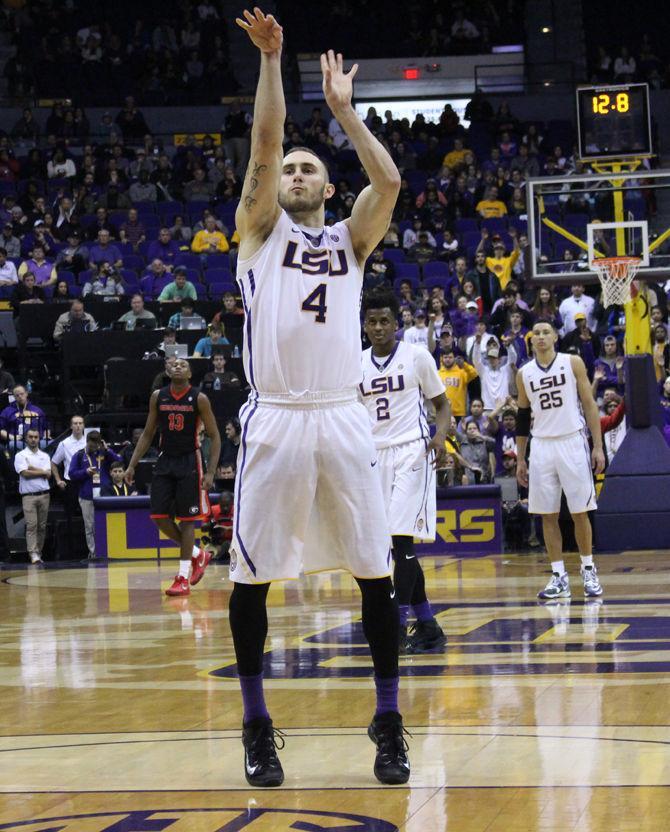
pixel 249 200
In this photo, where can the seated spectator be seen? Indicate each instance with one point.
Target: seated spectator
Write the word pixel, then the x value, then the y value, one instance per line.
pixel 417 334
pixel 132 231
pixel 608 368
pixel 422 251
pixel 455 159
pixel 101 223
pixel 8 273
pixel 158 271
pixel 179 289
pixel 74 257
pixel 583 342
pixel 500 264
pixel 104 251
pixel 181 233
pixel 62 293
pixel 118 487
pixel 411 235
pixel 392 237
pixel 44 272
pixel 378 270
pixel 187 311
pixel 660 351
pixel 449 249
pixel 164 248
pixel 26 128
pixel 20 415
pixel 210 240
pixel 60 167
pixel 431 190
pixel 624 67
pixel 231 444
pixel 477 451
pixel 218 378
pixel 108 284
pixel 507 146
pixel 199 189
pixel 10 243
pixel 216 337
pixel 230 306
pixel 26 291
pixel 546 307
pixel 491 205
pixel 131 120
pixel 143 190
pixel 136 313
pixel 76 320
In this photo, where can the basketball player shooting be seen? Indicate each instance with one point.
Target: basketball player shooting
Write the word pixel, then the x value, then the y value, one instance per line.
pixel 179 490
pixel 308 497
pixel 554 388
pixel 396 378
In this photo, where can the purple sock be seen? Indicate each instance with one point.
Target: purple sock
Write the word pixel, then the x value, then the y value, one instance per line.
pixel 387 695
pixel 403 611
pixel 423 611
pixel 253 698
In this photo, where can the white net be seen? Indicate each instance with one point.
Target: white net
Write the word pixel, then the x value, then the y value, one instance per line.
pixel 616 275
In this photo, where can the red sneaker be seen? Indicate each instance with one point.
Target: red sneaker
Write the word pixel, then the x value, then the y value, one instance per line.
pixel 198 566
pixel 179 587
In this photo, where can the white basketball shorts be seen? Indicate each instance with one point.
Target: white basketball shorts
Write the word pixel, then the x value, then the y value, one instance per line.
pixel 308 497
pixel 560 464
pixel 408 482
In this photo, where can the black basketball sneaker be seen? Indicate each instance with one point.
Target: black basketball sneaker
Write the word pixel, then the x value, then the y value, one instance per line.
pixel 391 763
pixel 426 637
pixel 261 763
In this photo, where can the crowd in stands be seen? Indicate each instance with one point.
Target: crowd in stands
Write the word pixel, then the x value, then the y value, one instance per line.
pixel 414 28
pixel 130 217
pixel 168 52
pixel 626 65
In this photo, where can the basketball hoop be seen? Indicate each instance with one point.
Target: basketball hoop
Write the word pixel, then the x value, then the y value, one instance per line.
pixel 616 275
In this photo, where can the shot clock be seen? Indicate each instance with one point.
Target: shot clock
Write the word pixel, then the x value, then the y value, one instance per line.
pixel 613 121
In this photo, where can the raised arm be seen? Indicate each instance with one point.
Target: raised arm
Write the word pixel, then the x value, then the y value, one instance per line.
pixel 259 210
pixel 591 413
pixel 145 440
pixel 374 206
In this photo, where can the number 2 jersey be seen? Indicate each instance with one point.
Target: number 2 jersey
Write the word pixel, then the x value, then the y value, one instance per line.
pixel 393 390
pixel 301 294
pixel 553 396
pixel 178 420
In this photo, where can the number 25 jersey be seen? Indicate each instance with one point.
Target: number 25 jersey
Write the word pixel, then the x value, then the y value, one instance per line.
pixel 554 401
pixel 301 294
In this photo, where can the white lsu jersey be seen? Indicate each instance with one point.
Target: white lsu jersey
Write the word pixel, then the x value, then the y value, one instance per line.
pixel 393 390
pixel 301 296
pixel 553 396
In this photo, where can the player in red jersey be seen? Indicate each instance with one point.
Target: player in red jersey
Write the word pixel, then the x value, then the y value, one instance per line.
pixel 179 488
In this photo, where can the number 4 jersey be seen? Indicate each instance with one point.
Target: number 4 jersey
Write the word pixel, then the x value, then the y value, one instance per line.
pixel 393 390
pixel 301 294
pixel 178 420
pixel 554 401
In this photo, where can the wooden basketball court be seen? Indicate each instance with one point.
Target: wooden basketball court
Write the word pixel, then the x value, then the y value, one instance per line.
pixel 121 711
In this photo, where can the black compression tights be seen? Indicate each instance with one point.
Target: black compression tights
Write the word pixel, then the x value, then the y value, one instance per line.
pixel 380 624
pixel 407 568
pixel 249 625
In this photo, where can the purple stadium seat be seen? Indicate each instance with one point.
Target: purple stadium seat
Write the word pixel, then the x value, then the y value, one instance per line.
pixel 466 224
pixel 164 209
pixel 84 277
pixel 218 276
pixel 75 291
pixel 408 271
pixel 133 261
pixel 495 225
pixel 145 208
pixel 217 261
pixel 151 286
pixel 413 280
pixel 69 277
pixel 395 255
pixel 193 275
pixel 217 290
pixel 191 261
pixel 435 269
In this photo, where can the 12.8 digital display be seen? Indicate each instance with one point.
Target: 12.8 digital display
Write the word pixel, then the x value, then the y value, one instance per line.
pixel 614 121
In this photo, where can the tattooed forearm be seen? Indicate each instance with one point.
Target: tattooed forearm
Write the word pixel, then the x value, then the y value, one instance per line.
pixel 249 200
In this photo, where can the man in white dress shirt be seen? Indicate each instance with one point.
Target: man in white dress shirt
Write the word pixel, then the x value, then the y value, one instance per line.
pixel 577 302
pixel 34 469
pixel 63 454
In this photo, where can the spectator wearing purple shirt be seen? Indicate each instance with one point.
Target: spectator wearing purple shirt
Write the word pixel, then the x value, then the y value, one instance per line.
pixel 104 252
pixel 608 368
pixel 506 436
pixel 44 271
pixel 464 318
pixel 164 248
pixel 516 335
pixel 132 231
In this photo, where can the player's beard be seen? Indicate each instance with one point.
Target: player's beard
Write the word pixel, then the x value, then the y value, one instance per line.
pixel 303 203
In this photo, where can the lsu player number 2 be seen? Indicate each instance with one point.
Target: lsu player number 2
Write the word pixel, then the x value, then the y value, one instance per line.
pixel 316 302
